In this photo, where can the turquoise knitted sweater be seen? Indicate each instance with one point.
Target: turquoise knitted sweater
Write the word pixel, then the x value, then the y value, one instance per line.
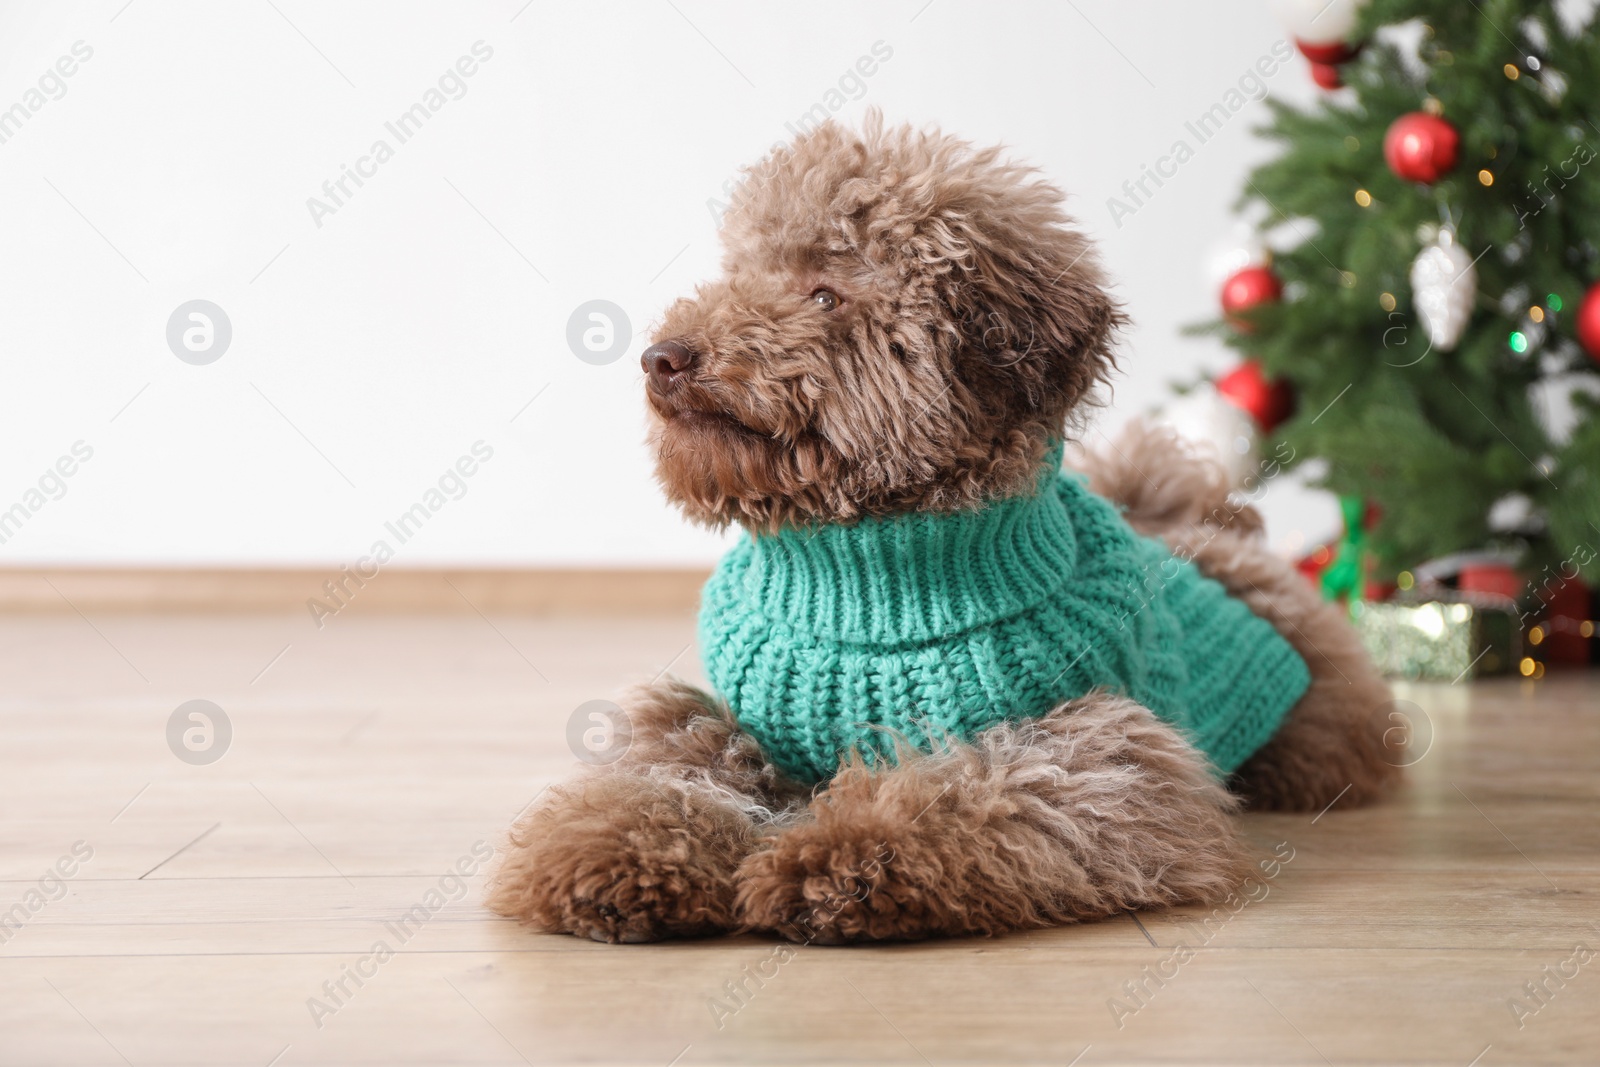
pixel 930 625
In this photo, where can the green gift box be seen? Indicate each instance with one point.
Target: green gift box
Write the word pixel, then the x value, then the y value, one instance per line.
pixel 1440 640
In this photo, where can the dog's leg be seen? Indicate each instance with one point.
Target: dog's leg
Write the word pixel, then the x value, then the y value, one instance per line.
pixel 1096 808
pixel 1336 741
pixel 646 847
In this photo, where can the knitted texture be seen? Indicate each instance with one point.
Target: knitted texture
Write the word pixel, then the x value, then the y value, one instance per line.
pixel 930 626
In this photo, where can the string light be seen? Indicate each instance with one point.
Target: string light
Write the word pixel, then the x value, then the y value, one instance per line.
pixel 1526 667
pixel 1352 143
pixel 1553 302
pixel 1363 198
pixel 1386 301
pixel 1518 341
pixel 1536 635
pixel 1536 313
pixel 1485 178
pixel 1404 580
pixel 1512 72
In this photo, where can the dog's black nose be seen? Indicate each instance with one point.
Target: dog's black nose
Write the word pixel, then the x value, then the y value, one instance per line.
pixel 666 362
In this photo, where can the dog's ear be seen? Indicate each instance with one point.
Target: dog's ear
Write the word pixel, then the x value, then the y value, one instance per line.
pixel 1029 295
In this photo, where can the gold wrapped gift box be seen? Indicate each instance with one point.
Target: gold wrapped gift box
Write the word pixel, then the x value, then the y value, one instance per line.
pixel 1441 640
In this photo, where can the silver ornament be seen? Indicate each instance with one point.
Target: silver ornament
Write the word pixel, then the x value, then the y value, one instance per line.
pixel 1444 284
pixel 1211 426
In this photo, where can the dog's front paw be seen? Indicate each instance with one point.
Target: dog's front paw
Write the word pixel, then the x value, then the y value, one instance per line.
pixel 892 856
pixel 816 885
pixel 621 858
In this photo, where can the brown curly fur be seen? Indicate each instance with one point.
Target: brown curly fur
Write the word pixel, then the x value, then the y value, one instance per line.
pixel 972 325
pixel 1096 808
pixel 646 847
pixel 972 321
pixel 1164 483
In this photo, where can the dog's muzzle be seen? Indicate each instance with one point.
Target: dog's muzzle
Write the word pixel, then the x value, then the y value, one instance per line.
pixel 666 364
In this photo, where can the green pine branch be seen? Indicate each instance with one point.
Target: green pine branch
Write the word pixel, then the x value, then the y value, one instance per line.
pixel 1437 438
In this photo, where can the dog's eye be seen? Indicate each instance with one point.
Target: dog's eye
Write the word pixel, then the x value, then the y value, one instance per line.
pixel 826 299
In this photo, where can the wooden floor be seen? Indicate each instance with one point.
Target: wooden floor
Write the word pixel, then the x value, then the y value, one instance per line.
pixel 372 757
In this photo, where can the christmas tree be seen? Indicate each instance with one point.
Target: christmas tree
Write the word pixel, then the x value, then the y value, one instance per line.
pixel 1438 322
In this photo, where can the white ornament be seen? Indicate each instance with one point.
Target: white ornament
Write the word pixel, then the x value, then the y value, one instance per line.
pixel 1444 284
pixel 1510 513
pixel 1214 427
pixel 1319 21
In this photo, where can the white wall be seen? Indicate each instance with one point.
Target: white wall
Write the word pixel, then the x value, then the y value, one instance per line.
pixel 370 352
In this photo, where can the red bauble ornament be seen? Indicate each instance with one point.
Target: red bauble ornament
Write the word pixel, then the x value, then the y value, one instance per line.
pixel 1589 322
pixel 1245 289
pixel 1326 59
pixel 1421 147
pixel 1247 388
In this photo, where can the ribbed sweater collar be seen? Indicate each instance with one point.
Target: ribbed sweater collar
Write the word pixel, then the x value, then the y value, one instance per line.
pixel 919 576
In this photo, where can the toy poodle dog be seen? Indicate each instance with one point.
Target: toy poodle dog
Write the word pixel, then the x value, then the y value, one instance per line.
pixel 958 689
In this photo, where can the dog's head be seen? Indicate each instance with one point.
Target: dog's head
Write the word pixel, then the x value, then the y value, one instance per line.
pixel 903 323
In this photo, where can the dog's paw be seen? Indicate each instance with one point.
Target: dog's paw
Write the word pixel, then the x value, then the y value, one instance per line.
pixel 814 888
pixel 884 858
pixel 622 859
